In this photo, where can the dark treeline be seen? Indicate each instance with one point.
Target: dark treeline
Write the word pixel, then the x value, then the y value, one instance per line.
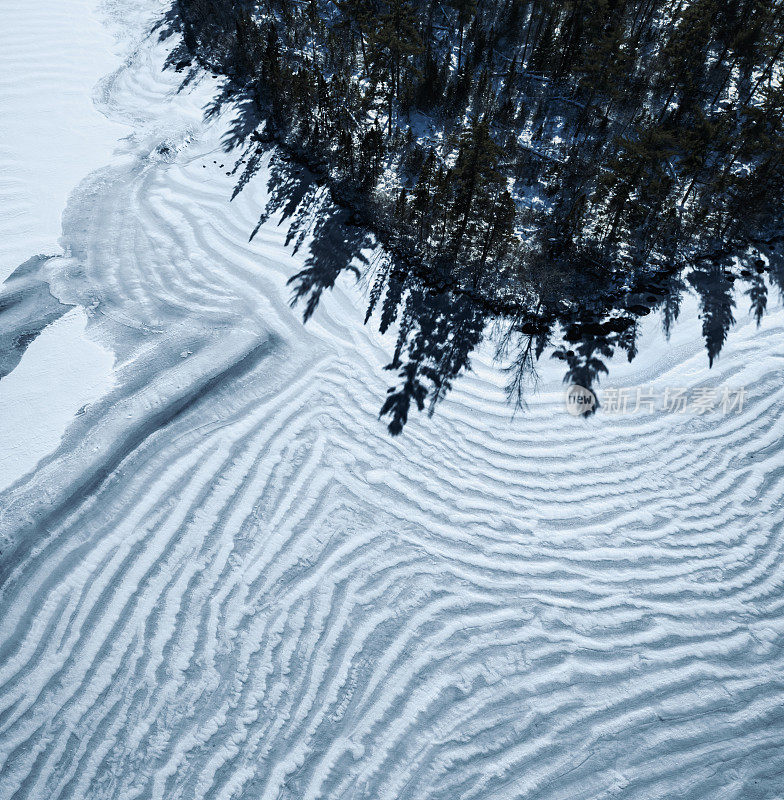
pixel 568 165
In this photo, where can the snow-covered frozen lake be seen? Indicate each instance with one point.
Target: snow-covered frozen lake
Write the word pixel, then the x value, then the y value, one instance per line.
pixel 220 577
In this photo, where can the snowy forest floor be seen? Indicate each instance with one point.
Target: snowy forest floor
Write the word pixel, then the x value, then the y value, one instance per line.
pixel 220 577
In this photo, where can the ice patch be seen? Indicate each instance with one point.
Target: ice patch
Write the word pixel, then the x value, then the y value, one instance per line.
pixel 61 372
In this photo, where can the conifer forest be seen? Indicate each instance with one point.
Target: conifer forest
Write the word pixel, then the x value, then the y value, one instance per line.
pixel 568 165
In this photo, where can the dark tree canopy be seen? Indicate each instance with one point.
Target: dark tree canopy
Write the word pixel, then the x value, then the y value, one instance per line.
pixel 565 164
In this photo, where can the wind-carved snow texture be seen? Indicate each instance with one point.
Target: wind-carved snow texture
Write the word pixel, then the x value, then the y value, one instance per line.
pixel 230 582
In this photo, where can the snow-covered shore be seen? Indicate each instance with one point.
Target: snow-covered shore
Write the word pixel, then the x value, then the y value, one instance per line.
pixel 224 579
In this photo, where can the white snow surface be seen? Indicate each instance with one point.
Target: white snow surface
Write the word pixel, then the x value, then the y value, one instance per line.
pixel 61 373
pixel 226 580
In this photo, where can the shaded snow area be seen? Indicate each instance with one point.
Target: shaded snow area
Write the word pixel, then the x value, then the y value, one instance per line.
pixel 221 578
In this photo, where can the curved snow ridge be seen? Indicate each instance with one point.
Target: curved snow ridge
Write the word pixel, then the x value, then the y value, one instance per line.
pixel 230 582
